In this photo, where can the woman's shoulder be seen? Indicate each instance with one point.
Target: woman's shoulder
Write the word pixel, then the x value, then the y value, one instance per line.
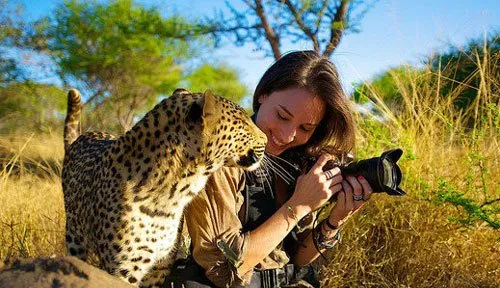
pixel 226 179
pixel 223 189
pixel 229 172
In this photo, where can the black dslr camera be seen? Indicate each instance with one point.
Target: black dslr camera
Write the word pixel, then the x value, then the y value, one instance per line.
pixel 383 173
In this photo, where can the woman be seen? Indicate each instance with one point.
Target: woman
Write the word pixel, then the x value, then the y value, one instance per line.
pixel 238 224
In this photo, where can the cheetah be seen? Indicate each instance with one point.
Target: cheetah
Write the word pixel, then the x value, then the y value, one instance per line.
pixel 124 196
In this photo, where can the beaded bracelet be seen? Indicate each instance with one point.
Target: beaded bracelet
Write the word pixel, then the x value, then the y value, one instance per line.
pixel 320 239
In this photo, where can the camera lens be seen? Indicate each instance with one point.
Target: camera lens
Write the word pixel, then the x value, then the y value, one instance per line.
pixel 389 177
pixel 382 173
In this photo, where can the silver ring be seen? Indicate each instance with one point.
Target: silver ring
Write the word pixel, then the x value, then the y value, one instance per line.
pixel 357 197
pixel 329 174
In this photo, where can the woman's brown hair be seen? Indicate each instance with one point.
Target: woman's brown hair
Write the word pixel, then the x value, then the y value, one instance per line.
pixel 306 69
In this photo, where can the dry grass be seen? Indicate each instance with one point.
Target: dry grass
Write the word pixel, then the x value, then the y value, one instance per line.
pixel 408 241
pixel 32 214
pixel 411 241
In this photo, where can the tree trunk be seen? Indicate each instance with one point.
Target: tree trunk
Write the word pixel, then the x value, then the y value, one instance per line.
pixel 271 35
pixel 337 30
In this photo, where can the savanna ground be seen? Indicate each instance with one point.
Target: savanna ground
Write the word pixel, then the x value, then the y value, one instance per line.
pixel 443 233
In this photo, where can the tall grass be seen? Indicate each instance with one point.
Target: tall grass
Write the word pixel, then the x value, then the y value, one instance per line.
pixel 31 202
pixel 444 232
pixel 436 236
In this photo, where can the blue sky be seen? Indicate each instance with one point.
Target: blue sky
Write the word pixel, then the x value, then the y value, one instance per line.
pixel 392 33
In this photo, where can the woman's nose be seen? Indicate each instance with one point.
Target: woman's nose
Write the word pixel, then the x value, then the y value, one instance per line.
pixel 289 134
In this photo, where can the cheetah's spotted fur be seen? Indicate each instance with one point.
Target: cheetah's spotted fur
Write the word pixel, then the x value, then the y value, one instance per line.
pixel 124 196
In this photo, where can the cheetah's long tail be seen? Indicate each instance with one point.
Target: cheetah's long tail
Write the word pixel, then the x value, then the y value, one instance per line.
pixel 71 124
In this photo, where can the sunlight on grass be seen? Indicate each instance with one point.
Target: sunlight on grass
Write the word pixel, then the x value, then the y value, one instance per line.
pixel 442 234
pixel 32 214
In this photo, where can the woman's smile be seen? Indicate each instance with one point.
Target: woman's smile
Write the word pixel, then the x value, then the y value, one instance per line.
pixel 288 118
pixel 277 143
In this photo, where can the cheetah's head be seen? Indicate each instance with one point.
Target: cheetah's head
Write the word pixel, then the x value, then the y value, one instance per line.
pixel 228 135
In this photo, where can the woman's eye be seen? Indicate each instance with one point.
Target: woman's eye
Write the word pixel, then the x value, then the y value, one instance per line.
pixel 281 117
pixel 306 129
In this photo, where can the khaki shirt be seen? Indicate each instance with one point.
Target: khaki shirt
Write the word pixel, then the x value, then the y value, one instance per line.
pixel 212 216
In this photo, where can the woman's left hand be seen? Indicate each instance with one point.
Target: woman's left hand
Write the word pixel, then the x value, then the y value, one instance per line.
pixel 354 194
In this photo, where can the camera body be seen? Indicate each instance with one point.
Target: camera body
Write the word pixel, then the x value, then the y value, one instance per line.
pixel 382 173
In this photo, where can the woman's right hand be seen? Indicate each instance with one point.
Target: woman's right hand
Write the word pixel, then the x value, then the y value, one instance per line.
pixel 314 188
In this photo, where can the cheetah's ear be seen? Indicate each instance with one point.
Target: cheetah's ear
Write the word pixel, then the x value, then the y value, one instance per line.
pixel 208 104
pixel 181 91
pixel 203 109
pixel 209 110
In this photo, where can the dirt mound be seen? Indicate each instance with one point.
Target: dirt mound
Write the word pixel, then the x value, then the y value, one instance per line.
pixel 56 272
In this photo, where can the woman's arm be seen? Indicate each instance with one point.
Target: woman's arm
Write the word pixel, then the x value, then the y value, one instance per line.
pixel 312 191
pixel 213 216
pixel 344 208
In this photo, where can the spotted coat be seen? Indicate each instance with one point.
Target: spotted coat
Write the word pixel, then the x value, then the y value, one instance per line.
pixel 124 196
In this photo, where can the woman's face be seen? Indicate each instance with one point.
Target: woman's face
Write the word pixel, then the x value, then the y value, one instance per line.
pixel 289 118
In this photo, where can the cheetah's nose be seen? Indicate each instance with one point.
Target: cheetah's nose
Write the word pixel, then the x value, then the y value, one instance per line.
pixel 248 160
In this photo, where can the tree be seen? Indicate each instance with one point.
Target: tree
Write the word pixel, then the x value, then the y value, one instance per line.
pixel 460 86
pixel 124 55
pixel 220 78
pixel 32 107
pixel 322 23
pixel 11 27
